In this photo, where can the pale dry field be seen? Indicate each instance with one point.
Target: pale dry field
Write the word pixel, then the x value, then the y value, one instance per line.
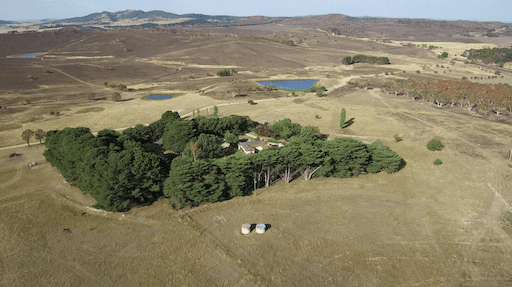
pixel 426 225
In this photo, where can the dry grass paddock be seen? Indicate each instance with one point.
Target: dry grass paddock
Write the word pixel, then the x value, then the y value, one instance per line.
pixel 425 225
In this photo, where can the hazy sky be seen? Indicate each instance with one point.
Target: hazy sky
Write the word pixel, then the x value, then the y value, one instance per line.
pixel 474 10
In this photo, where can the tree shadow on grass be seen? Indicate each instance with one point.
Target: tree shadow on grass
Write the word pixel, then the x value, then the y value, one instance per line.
pixel 348 123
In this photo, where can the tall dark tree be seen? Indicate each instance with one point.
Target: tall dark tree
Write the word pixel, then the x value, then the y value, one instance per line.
pixel 177 135
pixel 383 158
pixel 347 157
pixel 190 183
pixel 209 145
pixel 343 117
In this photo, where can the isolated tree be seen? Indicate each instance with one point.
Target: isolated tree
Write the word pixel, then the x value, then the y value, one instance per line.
pixel 116 97
pixel 39 135
pixel 347 60
pixel 26 135
pixel 343 117
pixel 444 54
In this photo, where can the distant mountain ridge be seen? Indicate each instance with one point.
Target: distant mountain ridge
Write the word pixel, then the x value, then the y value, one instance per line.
pixel 112 17
pixel 2 22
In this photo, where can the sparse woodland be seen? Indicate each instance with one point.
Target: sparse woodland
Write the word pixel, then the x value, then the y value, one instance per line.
pixel 483 98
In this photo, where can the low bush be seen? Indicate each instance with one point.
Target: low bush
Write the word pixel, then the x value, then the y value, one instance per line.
pixel 251 102
pixel 438 162
pixel 224 73
pixel 435 145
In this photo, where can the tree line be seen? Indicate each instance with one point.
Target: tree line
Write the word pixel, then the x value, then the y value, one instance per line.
pixel 124 170
pixel 365 59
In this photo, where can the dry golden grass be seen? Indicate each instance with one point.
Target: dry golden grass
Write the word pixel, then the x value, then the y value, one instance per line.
pixel 436 225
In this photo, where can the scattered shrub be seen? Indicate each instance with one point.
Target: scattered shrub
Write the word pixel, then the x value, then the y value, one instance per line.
pixel 435 145
pixel 417 72
pixel 251 102
pixel 116 97
pixel 224 73
pixel 438 162
pixel 398 138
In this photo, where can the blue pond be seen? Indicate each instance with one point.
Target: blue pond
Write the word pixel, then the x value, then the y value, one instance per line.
pixel 28 55
pixel 292 84
pixel 159 97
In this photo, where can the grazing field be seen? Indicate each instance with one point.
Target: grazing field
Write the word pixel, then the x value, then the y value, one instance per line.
pixel 426 225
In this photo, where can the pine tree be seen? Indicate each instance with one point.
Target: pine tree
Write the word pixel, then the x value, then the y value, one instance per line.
pixel 343 118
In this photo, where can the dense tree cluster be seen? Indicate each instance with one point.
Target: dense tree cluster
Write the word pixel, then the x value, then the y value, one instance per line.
pixel 118 173
pixel 128 169
pixel 192 182
pixel 365 59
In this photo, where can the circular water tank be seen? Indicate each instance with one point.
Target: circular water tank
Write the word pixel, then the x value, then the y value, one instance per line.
pixel 246 228
pixel 260 228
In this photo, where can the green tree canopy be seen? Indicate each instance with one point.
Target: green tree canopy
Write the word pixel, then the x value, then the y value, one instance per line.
pixel 284 129
pixel 177 134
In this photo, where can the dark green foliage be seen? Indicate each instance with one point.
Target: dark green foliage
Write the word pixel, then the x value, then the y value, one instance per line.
pixel 307 135
pixel 435 145
pixel 438 162
pixel 118 174
pixel 209 145
pixel 177 134
pixel 494 55
pixel 343 117
pixel 191 183
pixel 231 139
pixel 444 55
pixel 121 171
pixel 65 149
pixel 347 60
pixel 139 133
pixel 215 112
pixel 370 60
pixel 14 154
pixel 219 126
pixel 251 102
pixel 157 128
pixel 346 157
pixel 284 129
pixel 239 174
pixel 224 73
pixel 383 158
